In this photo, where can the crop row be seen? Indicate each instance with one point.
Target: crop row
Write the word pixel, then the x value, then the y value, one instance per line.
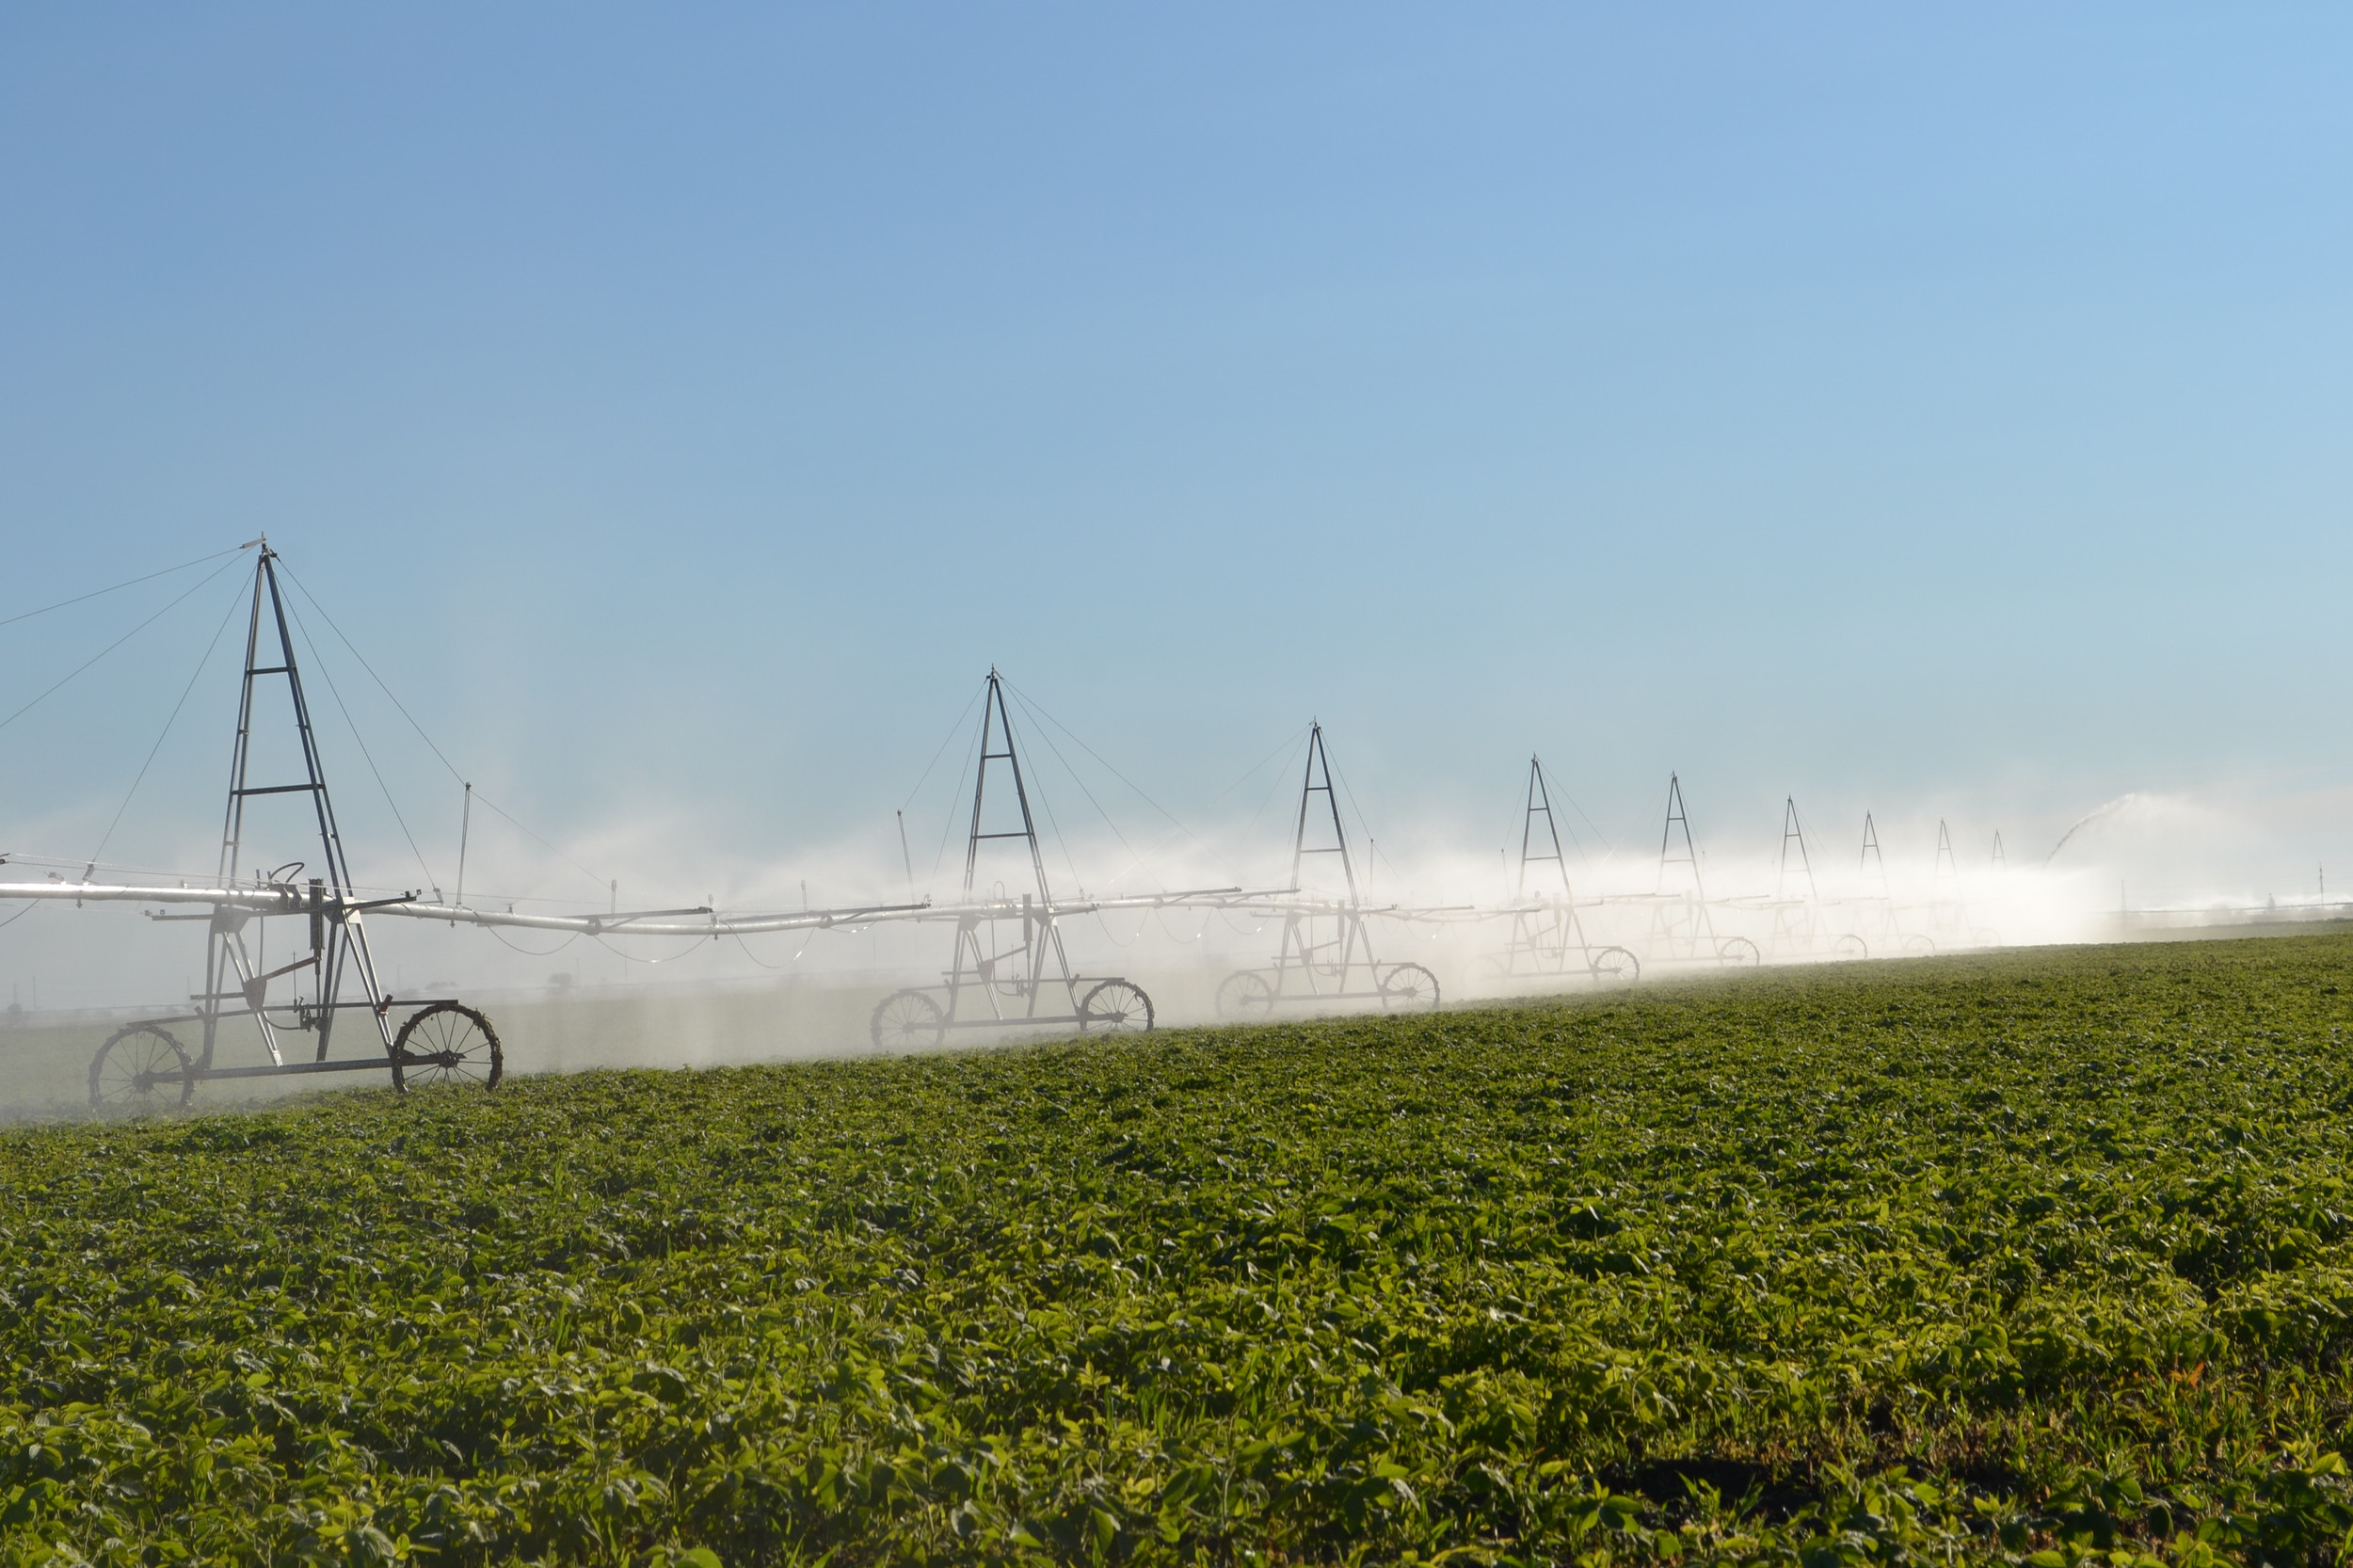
pixel 1998 1256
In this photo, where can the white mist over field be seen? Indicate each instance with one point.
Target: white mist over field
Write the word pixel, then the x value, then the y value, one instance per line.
pixel 2138 866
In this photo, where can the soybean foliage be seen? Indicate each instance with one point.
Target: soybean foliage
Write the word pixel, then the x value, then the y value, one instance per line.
pixel 2023 1257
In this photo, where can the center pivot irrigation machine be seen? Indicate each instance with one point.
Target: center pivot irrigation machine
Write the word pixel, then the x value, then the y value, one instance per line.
pixel 1326 953
pixel 416 1039
pixel 1009 968
pixel 1547 938
pixel 436 1039
pixel 1682 916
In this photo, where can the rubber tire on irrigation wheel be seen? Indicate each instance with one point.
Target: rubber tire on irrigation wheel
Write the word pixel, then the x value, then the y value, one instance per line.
pixel 1245 994
pixel 1411 986
pixel 448 1043
pixel 1115 1007
pixel 908 1021
pixel 1739 953
pixel 1851 946
pixel 1614 967
pixel 136 1062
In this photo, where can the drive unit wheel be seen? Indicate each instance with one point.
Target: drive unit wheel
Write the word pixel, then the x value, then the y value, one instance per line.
pixel 1409 987
pixel 1615 967
pixel 1245 994
pixel 138 1066
pixel 449 1043
pixel 1116 1007
pixel 908 1021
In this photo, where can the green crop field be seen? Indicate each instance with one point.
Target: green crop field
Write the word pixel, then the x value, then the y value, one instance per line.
pixel 2027 1256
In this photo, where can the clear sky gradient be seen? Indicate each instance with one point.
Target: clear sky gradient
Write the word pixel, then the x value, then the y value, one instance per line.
pixel 1934 412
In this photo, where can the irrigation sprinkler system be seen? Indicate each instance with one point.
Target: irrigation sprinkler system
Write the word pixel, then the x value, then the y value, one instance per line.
pixel 1326 953
pixel 438 1039
pixel 1008 969
pixel 1547 938
pixel 1792 917
pixel 1681 927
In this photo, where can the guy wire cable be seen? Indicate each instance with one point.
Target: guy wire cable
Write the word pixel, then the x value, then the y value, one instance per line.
pixel 954 731
pixel 112 646
pixel 604 939
pixel 1082 789
pixel 529 952
pixel 788 964
pixel 1288 744
pixel 1291 750
pixel 1371 842
pixel 1079 741
pixel 436 751
pixel 948 825
pixel 235 602
pixel 319 664
pixel 100 593
pixel 1037 788
pixel 946 741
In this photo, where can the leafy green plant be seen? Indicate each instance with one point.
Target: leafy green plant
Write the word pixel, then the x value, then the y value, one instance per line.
pixel 2038 1257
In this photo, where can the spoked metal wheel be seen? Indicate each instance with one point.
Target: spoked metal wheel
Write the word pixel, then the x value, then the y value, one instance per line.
pixel 449 1043
pixel 140 1068
pixel 1919 947
pixel 1851 946
pixel 1116 1007
pixel 1245 994
pixel 1409 987
pixel 1739 953
pixel 908 1021
pixel 1615 967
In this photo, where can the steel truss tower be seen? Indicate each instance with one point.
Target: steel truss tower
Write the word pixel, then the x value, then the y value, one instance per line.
pixel 1019 970
pixel 1547 935
pixel 1326 953
pixel 1795 915
pixel 339 943
pixel 1009 966
pixel 1306 948
pixel 439 1040
pixel 1680 921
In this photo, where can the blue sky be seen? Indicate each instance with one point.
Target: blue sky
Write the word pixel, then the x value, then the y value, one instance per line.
pixel 1927 411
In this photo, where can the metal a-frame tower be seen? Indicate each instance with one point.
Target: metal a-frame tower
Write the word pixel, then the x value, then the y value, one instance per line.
pixel 441 1041
pixel 339 947
pixel 1547 935
pixel 1678 817
pixel 1796 904
pixel 1320 949
pixel 1019 970
pixel 1885 925
pixel 1009 966
pixel 1317 781
pixel 1793 832
pixel 1326 953
pixel 1683 928
pixel 1948 915
pixel 1540 803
